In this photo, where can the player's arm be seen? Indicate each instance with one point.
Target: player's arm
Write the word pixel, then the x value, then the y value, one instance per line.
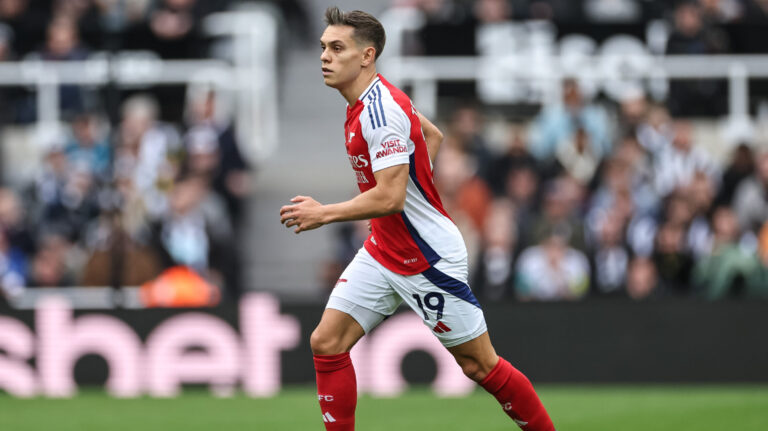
pixel 432 135
pixel 387 197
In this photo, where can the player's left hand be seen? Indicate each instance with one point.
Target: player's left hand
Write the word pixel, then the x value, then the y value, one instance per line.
pixel 305 214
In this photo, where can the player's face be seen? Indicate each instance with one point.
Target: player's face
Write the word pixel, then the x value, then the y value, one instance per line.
pixel 342 58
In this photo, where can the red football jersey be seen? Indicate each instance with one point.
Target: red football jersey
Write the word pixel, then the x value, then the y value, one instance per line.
pixel 383 130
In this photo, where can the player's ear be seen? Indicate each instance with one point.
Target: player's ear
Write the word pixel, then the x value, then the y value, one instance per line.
pixel 369 56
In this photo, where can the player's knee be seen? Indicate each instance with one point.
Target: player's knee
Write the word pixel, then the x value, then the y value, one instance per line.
pixel 472 369
pixel 324 343
pixel 475 368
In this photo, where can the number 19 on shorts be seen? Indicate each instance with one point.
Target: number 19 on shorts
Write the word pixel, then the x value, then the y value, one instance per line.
pixel 432 301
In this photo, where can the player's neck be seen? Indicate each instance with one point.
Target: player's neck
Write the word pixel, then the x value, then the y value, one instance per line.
pixel 355 89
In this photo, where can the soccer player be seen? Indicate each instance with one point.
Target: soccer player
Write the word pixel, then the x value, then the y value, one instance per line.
pixel 415 253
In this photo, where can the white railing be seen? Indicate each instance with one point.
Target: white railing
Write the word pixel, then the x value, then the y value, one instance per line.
pixel 251 77
pixel 423 73
pixel 528 54
pixel 93 297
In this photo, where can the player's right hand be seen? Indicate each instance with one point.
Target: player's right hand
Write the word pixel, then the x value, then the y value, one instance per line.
pixel 305 213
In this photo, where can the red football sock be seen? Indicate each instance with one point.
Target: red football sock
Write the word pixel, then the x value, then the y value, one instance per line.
pixel 336 391
pixel 516 395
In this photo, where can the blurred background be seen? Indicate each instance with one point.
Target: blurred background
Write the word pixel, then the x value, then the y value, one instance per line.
pixel 598 148
pixel 607 156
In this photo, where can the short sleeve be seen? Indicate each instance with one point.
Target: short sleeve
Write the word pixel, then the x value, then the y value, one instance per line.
pixel 386 129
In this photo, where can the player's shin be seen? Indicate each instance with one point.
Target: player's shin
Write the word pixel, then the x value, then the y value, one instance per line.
pixel 336 391
pixel 517 397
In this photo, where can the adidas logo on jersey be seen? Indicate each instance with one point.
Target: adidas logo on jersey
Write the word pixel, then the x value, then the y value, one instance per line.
pixel 441 328
pixel 328 418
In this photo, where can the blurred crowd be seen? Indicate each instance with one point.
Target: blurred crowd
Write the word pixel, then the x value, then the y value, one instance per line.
pixel 117 207
pixel 580 199
pixel 468 12
pixel 598 196
pixel 575 207
pixel 122 195
pixel 68 30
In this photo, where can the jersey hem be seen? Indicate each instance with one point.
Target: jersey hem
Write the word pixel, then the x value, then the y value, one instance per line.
pixel 392 266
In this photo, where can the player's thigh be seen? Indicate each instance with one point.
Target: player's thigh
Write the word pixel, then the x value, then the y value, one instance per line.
pixel 445 303
pixel 336 333
pixel 364 293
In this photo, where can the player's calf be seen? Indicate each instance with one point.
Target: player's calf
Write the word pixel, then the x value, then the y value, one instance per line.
pixel 517 397
pixel 336 391
pixel 331 342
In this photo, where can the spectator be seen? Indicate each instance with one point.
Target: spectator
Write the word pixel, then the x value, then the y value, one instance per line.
pixel 633 111
pixel 552 271
pixel 15 222
pixel 63 44
pixel 560 212
pixel 147 152
pixel 558 123
pixel 28 23
pixel 656 131
pixel 9 97
pixel 610 256
pixel 494 275
pixel 624 183
pixel 119 250
pixel 673 262
pixel 751 199
pixel 230 176
pixel 701 195
pixel 522 187
pixel 13 268
pixel 642 279
pixel 449 28
pixel 492 11
pixel 677 164
pixel 692 37
pixel 88 147
pixel 515 157
pixel 728 270
pixel 65 195
pixel 466 128
pixel 55 263
pixel 575 157
pixel 195 233
pixel 762 255
pixel 715 12
pixel 173 29
pixel 741 166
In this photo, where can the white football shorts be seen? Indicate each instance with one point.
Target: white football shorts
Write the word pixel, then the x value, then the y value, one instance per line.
pixel 369 293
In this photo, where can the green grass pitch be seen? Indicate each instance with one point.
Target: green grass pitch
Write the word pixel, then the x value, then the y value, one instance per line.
pixel 573 408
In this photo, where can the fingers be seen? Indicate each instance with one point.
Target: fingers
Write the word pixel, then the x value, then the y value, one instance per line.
pixel 292 222
pixel 286 216
pixel 289 214
pixel 286 209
